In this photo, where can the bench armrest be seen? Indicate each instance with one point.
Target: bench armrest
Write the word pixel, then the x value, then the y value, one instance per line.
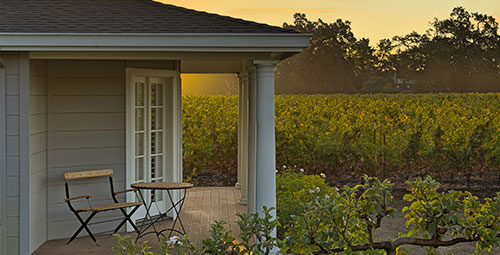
pixel 124 191
pixel 78 197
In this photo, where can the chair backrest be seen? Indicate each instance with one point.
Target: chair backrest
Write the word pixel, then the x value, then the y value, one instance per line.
pixel 68 176
pixel 88 174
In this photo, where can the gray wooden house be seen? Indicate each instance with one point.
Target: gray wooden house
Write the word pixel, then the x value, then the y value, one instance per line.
pixel 91 84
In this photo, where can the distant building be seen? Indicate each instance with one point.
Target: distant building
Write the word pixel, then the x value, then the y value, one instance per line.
pixel 403 85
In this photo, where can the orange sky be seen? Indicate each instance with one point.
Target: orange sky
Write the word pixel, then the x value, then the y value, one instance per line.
pixel 372 19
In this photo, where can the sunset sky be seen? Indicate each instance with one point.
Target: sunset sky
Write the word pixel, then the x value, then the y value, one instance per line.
pixel 372 19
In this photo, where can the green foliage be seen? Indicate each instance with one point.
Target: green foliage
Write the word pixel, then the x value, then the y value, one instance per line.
pixel 179 246
pixel 294 190
pixel 256 238
pixel 460 214
pixel 380 134
pixel 341 219
pixel 209 135
pixel 127 246
pixel 257 233
pixel 417 134
pixel 220 240
pixel 343 222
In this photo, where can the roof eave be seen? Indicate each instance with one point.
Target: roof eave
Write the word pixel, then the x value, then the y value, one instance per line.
pixel 185 42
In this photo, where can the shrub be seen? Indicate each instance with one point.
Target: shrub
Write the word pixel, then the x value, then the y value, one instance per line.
pixel 209 136
pixel 256 238
pixel 343 221
pixel 379 135
pixel 294 190
pixel 126 246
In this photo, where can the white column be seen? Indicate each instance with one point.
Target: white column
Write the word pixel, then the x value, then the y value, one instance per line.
pixel 265 137
pixel 240 132
pixel 243 137
pixel 252 109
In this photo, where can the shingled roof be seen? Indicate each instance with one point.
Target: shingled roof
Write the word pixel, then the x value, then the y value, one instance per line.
pixel 117 16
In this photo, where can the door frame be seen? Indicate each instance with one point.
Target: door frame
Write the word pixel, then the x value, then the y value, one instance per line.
pixel 172 138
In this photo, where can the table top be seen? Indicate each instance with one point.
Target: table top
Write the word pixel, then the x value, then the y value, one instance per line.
pixel 162 185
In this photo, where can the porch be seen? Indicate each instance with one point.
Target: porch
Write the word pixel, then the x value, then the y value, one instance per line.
pixel 73 111
pixel 204 206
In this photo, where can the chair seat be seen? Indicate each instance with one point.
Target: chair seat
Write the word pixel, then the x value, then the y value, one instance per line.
pixel 109 207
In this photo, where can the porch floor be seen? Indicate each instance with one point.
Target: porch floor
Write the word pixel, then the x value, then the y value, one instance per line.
pixel 204 205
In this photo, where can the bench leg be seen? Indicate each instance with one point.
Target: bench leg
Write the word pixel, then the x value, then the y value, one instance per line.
pixel 84 226
pixel 127 218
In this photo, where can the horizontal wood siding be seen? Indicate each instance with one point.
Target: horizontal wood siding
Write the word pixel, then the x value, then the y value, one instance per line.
pixel 86 120
pixel 86 130
pixel 38 153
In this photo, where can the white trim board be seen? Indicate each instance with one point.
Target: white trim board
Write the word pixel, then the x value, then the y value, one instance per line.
pixel 155 42
pixel 143 55
pixel 24 153
pixel 3 171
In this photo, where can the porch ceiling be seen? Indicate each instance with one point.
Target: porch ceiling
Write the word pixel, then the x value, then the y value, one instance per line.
pixel 190 62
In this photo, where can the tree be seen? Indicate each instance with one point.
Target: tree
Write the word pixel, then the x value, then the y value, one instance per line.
pixel 459 54
pixel 334 62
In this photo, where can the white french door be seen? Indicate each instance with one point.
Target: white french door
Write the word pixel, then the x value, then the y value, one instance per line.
pixel 152 133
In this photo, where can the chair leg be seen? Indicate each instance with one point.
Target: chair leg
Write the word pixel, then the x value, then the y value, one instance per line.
pixel 127 218
pixel 84 226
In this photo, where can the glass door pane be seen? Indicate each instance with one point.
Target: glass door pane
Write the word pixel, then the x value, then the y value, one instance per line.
pixel 149 110
pixel 156 133
pixel 140 132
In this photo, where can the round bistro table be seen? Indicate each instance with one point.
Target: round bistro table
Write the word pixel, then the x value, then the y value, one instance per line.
pixel 166 186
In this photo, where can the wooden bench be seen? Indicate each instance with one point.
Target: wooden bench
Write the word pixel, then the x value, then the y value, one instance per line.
pixel 116 205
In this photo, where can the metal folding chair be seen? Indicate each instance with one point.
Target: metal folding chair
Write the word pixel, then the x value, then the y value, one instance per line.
pixel 100 208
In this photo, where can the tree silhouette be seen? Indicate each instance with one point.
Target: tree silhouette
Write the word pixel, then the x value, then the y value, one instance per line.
pixel 457 54
pixel 335 60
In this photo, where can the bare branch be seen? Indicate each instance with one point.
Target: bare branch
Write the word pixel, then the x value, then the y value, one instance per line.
pixel 391 246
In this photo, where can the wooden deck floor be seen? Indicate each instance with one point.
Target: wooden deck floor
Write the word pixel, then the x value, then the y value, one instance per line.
pixel 203 206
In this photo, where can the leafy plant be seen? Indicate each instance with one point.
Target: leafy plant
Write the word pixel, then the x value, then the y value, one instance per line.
pixel 294 189
pixel 257 233
pixel 257 237
pixel 346 136
pixel 343 222
pixel 220 240
pixel 179 246
pixel 126 246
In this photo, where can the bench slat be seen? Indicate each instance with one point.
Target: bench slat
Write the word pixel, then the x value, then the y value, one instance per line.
pixel 115 206
pixel 88 174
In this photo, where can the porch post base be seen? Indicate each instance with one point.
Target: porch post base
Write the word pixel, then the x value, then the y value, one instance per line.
pixel 243 201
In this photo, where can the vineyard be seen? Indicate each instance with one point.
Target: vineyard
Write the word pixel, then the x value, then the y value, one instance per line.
pixel 449 136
